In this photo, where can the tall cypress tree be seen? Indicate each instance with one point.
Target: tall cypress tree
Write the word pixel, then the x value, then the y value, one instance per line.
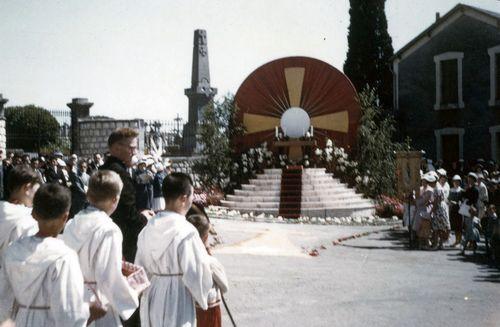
pixel 370 49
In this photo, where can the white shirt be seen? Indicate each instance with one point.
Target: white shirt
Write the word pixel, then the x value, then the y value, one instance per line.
pixel 98 242
pixel 15 222
pixel 174 257
pixel 44 277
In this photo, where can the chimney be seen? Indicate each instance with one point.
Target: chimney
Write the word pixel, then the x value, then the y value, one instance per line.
pixel 437 16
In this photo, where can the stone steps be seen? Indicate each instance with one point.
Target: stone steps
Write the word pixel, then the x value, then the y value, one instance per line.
pixel 322 195
pixel 306 187
pixel 305 205
pixel 276 197
pixel 309 193
pixel 317 181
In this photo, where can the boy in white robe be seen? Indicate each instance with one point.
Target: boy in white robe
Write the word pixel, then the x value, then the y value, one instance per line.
pixel 98 242
pixel 40 281
pixel 15 214
pixel 172 253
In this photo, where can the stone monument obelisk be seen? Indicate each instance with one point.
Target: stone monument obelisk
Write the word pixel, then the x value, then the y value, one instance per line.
pixel 200 92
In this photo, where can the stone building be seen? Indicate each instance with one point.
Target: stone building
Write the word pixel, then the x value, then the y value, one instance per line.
pixel 447 86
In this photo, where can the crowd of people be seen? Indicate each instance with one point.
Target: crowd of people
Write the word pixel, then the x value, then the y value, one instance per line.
pixel 108 241
pixel 148 173
pixel 463 201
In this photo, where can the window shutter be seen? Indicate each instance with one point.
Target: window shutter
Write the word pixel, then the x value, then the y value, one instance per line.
pixel 497 76
pixel 449 81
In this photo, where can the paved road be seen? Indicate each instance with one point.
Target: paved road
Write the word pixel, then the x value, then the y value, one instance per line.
pixel 369 281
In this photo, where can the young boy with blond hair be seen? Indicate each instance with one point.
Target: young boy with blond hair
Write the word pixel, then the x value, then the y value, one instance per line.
pixel 98 242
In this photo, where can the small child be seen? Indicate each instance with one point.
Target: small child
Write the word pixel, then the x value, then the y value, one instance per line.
pixel 212 316
pixel 98 242
pixel 490 221
pixel 15 214
pixel 40 281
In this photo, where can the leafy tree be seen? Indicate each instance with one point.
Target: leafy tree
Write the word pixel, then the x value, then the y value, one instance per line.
pixel 370 49
pixel 30 128
pixel 217 128
pixel 375 148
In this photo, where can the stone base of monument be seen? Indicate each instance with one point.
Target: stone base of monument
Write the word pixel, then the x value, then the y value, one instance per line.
pixel 322 196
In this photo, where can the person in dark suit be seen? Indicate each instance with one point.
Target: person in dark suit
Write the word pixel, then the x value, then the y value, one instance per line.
pixel 53 173
pixel 122 145
pixel 78 191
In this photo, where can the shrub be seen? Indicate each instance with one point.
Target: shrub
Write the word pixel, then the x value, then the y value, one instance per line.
pixel 388 206
pixel 31 128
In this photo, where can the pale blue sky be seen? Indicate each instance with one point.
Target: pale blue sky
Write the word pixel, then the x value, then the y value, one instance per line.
pixel 133 58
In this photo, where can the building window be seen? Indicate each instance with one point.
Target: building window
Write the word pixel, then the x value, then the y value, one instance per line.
pixel 449 144
pixel 497 76
pixel 495 142
pixel 449 80
pixel 494 75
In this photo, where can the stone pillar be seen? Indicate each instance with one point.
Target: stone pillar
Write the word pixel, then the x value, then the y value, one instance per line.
pixel 3 133
pixel 80 108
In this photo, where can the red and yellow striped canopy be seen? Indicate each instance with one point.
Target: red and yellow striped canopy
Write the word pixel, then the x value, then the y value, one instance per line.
pixel 325 93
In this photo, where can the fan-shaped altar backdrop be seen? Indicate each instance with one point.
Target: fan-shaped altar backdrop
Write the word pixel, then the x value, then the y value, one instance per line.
pixel 325 93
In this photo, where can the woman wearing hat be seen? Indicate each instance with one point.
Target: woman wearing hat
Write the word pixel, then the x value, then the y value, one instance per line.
pixel 423 210
pixel 456 220
pixel 440 217
pixel 158 200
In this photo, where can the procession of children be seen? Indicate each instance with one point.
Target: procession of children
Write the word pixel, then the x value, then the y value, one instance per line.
pixel 55 272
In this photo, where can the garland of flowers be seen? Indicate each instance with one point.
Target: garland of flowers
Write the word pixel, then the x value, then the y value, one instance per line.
pixel 337 161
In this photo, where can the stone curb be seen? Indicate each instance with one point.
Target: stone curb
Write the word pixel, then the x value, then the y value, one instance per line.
pixel 217 212
pixel 358 235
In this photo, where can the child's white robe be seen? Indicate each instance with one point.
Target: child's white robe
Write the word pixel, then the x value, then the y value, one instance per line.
pixel 98 242
pixel 44 278
pixel 15 222
pixel 178 265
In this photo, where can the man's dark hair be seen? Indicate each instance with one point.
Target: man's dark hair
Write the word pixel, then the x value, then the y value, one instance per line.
pixel 121 134
pixel 51 201
pixel 176 185
pixel 21 175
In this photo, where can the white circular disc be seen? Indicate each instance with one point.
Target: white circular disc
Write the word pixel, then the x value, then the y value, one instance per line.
pixel 295 122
